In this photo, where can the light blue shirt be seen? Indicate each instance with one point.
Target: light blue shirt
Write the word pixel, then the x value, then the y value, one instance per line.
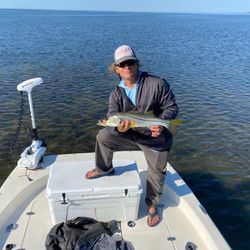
pixel 131 93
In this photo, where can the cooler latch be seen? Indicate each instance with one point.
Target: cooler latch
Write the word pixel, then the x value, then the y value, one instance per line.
pixel 126 192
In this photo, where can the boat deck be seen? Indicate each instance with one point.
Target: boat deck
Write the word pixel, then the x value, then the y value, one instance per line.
pixel 25 216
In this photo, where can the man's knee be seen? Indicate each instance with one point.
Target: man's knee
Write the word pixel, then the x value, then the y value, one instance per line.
pixel 103 135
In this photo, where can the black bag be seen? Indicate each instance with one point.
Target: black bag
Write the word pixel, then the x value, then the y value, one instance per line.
pixel 83 233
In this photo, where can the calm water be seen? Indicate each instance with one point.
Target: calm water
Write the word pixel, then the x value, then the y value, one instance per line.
pixel 205 58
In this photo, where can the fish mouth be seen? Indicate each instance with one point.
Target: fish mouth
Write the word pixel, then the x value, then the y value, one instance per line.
pixel 102 122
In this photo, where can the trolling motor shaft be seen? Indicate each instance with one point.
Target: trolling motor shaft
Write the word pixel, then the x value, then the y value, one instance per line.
pixel 32 155
pixel 28 86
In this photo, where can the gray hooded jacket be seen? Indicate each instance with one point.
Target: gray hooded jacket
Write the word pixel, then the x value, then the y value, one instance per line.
pixel 153 94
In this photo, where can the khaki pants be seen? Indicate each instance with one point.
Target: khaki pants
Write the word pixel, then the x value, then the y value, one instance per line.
pixel 107 143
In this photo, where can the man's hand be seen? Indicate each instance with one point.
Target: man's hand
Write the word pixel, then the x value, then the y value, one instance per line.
pixel 155 130
pixel 124 126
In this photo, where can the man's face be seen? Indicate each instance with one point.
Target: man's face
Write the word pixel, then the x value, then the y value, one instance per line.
pixel 128 70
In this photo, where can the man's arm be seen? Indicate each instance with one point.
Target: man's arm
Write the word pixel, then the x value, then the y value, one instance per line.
pixel 113 104
pixel 167 103
pixel 113 109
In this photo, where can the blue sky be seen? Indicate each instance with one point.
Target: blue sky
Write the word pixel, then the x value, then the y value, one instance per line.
pixel 213 6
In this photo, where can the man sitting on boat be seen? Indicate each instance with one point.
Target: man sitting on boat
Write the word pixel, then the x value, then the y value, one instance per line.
pixel 139 92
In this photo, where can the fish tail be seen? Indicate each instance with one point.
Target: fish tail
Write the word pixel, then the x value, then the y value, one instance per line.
pixel 173 125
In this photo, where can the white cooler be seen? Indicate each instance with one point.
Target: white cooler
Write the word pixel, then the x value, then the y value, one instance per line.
pixel 107 198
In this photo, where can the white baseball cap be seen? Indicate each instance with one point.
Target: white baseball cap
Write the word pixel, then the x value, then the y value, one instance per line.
pixel 124 53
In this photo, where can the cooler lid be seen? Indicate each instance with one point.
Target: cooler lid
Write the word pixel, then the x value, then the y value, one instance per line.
pixel 69 178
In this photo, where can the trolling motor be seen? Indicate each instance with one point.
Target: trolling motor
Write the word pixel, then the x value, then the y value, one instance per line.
pixel 33 154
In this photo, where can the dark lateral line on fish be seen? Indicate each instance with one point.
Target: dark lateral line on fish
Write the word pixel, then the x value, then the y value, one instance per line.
pixel 138 118
pixel 147 120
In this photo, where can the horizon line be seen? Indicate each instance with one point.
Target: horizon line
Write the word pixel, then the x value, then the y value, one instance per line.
pixel 130 11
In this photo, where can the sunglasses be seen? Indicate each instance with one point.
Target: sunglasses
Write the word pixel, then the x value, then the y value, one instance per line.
pixel 128 62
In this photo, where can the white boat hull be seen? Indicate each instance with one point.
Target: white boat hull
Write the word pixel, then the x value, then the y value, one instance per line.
pixel 25 216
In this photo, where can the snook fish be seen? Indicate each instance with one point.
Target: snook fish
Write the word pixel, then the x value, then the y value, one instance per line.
pixel 140 120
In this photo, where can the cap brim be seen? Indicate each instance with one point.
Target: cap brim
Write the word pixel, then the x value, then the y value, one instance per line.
pixel 126 58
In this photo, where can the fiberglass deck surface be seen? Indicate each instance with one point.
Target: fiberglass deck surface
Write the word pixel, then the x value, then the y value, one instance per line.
pixel 174 231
